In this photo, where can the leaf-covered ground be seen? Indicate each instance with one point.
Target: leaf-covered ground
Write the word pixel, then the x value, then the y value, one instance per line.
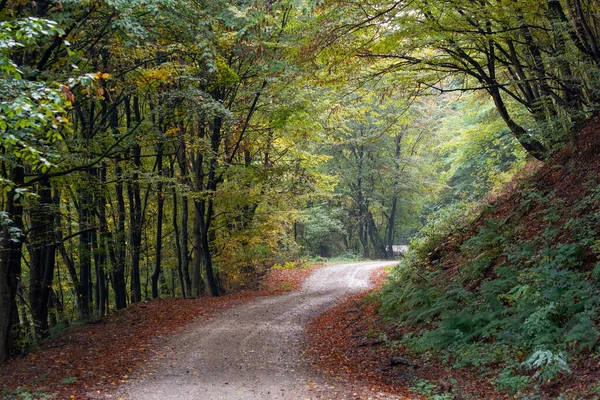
pixel 349 342
pixel 97 356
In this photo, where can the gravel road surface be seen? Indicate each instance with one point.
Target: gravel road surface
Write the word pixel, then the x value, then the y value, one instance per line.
pixel 251 351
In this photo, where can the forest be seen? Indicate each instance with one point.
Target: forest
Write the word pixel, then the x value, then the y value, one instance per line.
pixel 184 148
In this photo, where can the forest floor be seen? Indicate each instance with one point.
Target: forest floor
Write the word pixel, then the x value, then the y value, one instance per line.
pixel 94 358
pixel 247 345
pixel 349 343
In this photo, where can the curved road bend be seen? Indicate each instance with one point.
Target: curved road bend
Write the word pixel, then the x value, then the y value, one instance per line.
pixel 252 351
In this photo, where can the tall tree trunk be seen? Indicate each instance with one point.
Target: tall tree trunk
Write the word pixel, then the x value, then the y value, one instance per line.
pixel 117 240
pixel 395 188
pixel 135 215
pixel 207 206
pixel 185 254
pixel 159 222
pixel 42 252
pixel 104 247
pixel 85 252
pixel 118 274
pixel 197 284
pixel 199 210
pixel 362 206
pixel 183 170
pixel 11 244
pixel 178 241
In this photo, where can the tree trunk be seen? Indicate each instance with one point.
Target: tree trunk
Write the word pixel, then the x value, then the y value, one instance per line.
pixel 205 222
pixel 159 221
pixel 11 231
pixel 178 241
pixel 208 207
pixel 393 209
pixel 185 254
pixel 85 252
pixel 135 216
pixel 42 254
pixel 197 284
pixel 532 146
pixel 183 169
pixel 103 248
pixel 118 273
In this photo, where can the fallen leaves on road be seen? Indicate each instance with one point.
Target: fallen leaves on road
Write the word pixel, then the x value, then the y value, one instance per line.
pixel 90 359
pixel 346 343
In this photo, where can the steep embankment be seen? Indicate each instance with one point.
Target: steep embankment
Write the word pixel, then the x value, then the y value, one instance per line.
pixel 505 300
pixel 515 293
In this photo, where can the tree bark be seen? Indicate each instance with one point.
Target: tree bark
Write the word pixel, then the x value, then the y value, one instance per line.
pixel 159 223
pixel 11 243
pixel 118 274
pixel 183 170
pixel 42 254
pixel 135 214
pixel 178 241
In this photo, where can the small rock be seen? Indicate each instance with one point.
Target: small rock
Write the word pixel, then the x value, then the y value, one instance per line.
pixel 394 361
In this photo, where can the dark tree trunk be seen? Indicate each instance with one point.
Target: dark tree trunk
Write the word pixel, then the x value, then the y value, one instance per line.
pixel 159 222
pixel 135 215
pixel 378 246
pixel 10 261
pixel 84 290
pixel 393 209
pixel 104 247
pixel 118 274
pixel 532 146
pixel 183 170
pixel 199 210
pixel 117 240
pixel 178 241
pixel 185 254
pixel 205 221
pixel 207 206
pixel 42 251
pixel 197 284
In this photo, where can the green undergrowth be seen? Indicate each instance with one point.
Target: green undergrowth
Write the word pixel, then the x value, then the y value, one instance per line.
pixel 25 394
pixel 516 298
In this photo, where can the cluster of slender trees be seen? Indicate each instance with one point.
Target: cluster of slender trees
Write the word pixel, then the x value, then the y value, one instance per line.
pixel 142 144
pixel 170 146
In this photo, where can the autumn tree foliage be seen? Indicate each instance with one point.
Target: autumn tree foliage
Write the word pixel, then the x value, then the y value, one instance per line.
pixel 181 148
pixel 143 144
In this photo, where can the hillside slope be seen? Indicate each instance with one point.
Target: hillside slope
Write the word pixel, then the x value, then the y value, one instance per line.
pixel 515 292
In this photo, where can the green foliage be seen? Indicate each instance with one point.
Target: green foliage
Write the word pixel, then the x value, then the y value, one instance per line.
pixel 323 231
pixel 23 393
pixel 69 380
pixel 32 113
pixel 547 365
pixel 430 390
pixel 510 382
pixel 510 298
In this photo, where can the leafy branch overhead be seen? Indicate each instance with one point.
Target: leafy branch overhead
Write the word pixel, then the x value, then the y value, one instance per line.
pixel 175 148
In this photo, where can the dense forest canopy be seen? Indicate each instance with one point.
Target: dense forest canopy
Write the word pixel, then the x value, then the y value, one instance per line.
pixel 181 148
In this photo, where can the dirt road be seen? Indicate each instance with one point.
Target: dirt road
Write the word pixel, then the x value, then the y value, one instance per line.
pixel 252 351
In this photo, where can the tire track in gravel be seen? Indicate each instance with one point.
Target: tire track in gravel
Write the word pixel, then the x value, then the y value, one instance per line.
pixel 251 351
